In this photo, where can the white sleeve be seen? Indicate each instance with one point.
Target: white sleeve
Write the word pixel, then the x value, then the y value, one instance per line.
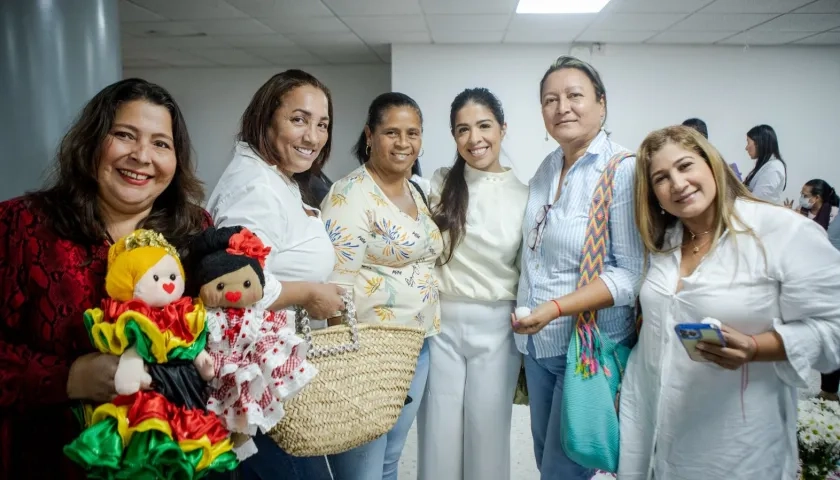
pixel 259 208
pixel 769 182
pixel 807 267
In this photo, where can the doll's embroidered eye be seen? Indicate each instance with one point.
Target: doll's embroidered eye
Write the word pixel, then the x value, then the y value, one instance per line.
pixel 156 277
pixel 173 277
pixel 247 284
pixel 220 286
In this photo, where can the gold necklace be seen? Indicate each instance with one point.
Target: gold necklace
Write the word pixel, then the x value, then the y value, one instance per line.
pixel 694 236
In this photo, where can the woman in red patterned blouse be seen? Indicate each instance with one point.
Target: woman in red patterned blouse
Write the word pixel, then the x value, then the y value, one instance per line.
pixel 123 165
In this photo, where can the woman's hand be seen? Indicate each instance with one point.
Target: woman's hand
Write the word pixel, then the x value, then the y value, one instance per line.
pixel 324 300
pixel 789 203
pixel 92 378
pixel 739 349
pixel 536 321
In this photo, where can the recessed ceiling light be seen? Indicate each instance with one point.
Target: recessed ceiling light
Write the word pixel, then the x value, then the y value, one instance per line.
pixel 561 6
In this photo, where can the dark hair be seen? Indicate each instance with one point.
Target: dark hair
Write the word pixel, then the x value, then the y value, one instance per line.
pixel 415 169
pixel 568 61
pixel 829 198
pixel 766 147
pixel 376 112
pixel 257 118
pixel 698 125
pixel 70 200
pixel 211 259
pixel 451 213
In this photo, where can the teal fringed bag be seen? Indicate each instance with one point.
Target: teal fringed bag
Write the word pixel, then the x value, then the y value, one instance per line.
pixel 594 363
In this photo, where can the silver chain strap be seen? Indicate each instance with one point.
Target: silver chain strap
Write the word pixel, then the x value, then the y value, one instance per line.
pixel 348 317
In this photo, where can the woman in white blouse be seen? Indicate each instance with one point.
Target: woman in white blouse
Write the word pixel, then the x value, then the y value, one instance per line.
pixel 768 275
pixel 768 179
pixel 284 139
pixel 479 206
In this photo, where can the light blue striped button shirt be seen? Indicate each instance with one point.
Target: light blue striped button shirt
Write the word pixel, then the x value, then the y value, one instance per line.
pixel 553 268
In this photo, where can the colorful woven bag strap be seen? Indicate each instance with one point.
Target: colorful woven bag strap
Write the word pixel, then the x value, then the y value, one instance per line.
pixel 587 336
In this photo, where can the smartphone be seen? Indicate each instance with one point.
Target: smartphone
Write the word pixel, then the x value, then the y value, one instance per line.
pixel 691 333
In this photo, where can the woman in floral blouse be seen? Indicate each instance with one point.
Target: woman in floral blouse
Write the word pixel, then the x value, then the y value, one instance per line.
pixel 386 247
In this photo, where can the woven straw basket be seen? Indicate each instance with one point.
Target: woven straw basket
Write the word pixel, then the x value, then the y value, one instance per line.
pixel 359 391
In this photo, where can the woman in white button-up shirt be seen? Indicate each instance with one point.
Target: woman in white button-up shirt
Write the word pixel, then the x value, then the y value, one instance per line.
pixel 768 179
pixel 284 139
pixel 479 206
pixel 768 274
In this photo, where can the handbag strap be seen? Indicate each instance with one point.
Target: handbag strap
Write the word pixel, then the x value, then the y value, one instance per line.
pixel 348 317
pixel 587 334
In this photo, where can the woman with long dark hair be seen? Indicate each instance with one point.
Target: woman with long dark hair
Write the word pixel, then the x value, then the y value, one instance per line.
pixel 124 164
pixel 768 179
pixel 479 206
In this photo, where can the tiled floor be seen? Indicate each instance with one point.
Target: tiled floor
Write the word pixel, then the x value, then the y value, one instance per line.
pixel 522 449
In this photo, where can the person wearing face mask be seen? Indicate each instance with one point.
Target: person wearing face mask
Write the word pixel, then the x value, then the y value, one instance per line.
pixel 124 164
pixel 819 202
pixel 386 245
pixel 556 283
pixel 464 426
pixel 284 140
pixel 768 179
pixel 767 275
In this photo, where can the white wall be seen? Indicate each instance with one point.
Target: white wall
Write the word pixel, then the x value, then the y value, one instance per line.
pixel 213 101
pixel 795 90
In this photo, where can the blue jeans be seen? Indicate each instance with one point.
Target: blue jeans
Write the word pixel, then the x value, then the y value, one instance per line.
pixel 544 377
pixel 380 459
pixel 271 462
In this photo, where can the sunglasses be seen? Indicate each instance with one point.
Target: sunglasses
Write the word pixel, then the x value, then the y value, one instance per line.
pixel 535 235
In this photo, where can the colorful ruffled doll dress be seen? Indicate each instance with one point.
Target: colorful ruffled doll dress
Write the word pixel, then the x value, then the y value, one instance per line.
pixel 163 432
pixel 259 360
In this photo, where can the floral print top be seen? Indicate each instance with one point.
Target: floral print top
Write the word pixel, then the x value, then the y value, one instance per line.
pixel 385 257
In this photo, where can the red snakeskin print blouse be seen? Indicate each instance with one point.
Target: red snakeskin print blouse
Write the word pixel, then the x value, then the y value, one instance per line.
pixel 46 284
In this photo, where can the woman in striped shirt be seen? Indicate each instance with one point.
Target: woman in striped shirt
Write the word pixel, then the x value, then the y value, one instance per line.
pixel 574 108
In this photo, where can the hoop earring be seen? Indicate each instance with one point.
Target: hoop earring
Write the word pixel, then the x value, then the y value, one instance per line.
pixel 367 150
pixel 421 153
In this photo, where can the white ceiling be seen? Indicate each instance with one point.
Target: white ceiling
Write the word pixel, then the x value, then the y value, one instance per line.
pixel 252 33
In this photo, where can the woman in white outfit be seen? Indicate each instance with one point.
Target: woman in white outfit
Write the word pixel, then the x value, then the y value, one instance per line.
pixel 768 274
pixel 284 140
pixel 768 179
pixel 478 205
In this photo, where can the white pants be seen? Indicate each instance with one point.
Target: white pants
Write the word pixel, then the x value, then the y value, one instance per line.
pixel 464 420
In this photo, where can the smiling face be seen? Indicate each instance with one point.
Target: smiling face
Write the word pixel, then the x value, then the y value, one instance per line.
pixel 682 182
pixel 162 284
pixel 396 142
pixel 137 160
pixel 571 110
pixel 299 128
pixel 479 137
pixel 237 289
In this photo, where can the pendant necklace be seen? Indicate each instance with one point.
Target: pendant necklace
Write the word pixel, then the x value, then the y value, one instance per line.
pixel 694 236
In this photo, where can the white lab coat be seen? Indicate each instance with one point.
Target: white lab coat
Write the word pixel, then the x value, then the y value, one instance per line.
pixel 687 420
pixel 769 182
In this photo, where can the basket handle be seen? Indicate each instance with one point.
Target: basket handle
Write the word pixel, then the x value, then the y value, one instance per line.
pixel 348 316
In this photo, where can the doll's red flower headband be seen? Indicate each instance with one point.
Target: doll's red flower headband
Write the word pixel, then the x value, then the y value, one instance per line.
pixel 248 244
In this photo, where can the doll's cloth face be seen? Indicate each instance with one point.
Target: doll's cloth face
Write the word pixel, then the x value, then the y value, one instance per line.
pixel 162 284
pixel 237 289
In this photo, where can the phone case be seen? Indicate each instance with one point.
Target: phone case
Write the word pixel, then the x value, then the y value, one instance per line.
pixel 691 333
